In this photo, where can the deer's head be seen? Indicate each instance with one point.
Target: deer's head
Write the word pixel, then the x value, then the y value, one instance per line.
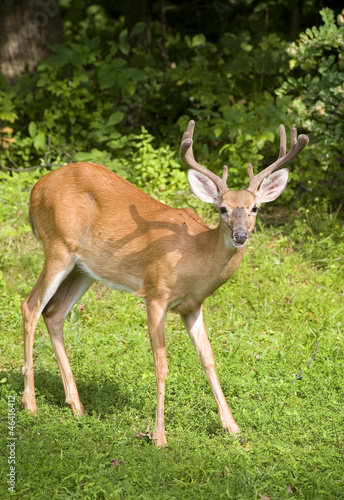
pixel 238 209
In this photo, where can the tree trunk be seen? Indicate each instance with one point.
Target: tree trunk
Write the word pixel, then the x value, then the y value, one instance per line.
pixel 27 29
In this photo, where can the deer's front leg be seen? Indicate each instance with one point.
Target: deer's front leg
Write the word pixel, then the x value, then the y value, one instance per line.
pixel 156 315
pixel 196 330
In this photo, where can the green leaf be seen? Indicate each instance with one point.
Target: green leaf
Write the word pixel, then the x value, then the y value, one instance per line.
pixel 32 129
pixel 198 40
pixel 58 61
pixel 124 47
pixel 107 80
pixel 39 141
pixel 137 29
pixel 42 82
pixel 9 116
pixel 246 46
pixel 77 60
pixel 231 42
pixel 115 118
pixel 83 156
pixel 134 74
pixel 60 49
pixel 118 63
pixel 131 89
pixel 217 131
pixel 123 35
pixel 94 43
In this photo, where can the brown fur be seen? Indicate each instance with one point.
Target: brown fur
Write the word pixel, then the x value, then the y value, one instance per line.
pixel 84 206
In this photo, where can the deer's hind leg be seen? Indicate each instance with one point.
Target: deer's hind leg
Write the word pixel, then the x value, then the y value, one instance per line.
pixel 54 315
pixel 51 277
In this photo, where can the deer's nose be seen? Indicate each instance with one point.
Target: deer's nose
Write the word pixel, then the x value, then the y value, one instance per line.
pixel 240 236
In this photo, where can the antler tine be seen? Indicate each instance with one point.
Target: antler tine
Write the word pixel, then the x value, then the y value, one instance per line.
pixel 186 154
pixel 224 176
pixel 293 136
pixel 297 143
pixel 283 142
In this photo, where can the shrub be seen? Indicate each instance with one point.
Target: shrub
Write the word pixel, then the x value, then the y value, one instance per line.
pixel 316 94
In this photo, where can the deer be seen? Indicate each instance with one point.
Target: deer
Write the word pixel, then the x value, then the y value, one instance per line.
pixel 96 226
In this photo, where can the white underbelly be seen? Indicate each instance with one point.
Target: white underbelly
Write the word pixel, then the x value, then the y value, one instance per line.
pixel 117 286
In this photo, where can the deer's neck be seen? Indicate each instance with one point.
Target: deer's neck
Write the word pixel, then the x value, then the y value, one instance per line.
pixel 227 257
pixel 217 260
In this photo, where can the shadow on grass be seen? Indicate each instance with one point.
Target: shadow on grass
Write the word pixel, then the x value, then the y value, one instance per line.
pixel 99 395
pixel 106 398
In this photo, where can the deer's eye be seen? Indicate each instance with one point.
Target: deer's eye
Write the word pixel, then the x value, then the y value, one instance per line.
pixel 255 209
pixel 223 210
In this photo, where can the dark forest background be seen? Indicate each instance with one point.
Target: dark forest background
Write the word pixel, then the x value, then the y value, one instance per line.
pixel 117 81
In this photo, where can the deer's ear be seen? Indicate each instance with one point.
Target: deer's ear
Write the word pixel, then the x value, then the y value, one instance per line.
pixel 273 186
pixel 203 187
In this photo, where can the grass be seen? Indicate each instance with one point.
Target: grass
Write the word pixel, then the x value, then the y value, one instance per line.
pixel 264 326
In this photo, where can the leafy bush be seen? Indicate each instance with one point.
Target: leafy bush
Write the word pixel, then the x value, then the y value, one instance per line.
pixel 227 88
pixel 104 101
pixel 78 98
pixel 316 92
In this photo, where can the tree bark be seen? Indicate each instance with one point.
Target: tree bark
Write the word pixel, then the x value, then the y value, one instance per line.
pixel 27 29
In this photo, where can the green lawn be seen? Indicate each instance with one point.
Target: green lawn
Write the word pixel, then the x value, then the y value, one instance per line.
pixel 264 326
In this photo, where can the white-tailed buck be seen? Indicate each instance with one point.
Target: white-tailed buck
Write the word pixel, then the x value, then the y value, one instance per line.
pixel 94 225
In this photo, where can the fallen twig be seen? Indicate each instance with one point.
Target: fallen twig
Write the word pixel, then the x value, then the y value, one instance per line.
pixel 144 434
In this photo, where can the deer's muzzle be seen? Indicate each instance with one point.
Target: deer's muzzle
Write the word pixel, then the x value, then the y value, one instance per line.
pixel 240 236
